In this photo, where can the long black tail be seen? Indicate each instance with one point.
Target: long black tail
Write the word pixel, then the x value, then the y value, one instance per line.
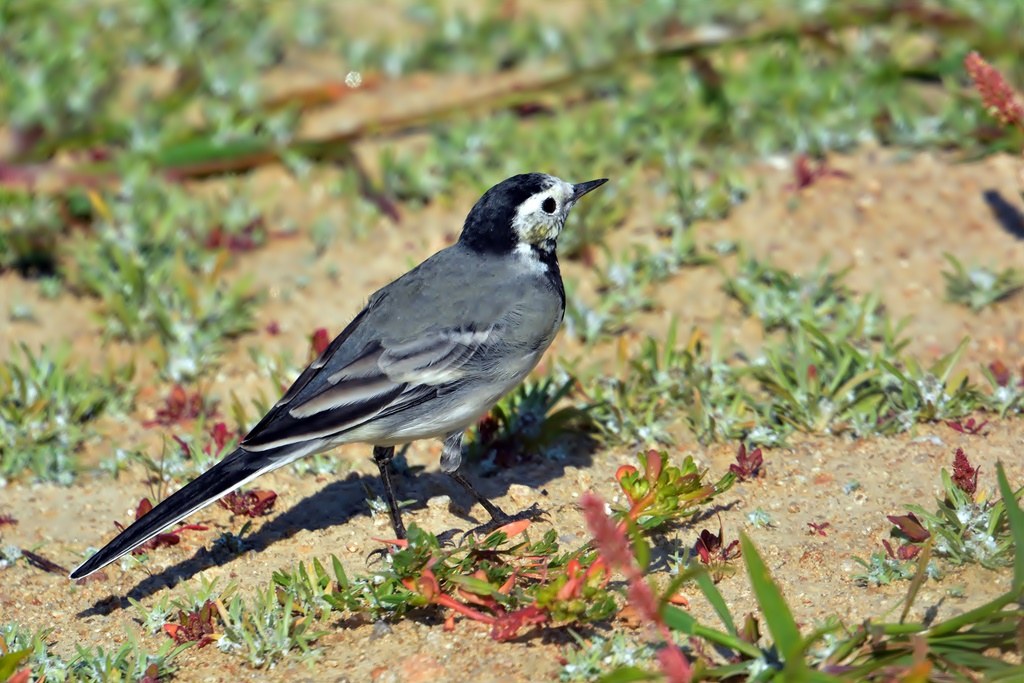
pixel 234 470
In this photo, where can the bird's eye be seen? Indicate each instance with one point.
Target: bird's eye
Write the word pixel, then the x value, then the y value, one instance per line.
pixel 549 205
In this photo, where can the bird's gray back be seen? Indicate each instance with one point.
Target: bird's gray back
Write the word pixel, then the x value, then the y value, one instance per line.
pixel 459 288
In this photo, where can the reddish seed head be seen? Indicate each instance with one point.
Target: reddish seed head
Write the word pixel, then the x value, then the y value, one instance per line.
pixel 996 94
pixel 964 476
pixel 321 340
pixel 610 540
pixel 642 598
pixel 674 666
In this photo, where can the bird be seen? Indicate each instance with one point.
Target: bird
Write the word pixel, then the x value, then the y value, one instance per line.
pixel 427 357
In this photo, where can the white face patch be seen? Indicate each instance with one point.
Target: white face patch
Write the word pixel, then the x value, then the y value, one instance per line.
pixel 540 218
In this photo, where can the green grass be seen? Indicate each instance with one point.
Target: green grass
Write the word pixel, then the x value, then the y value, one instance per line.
pixel 23 648
pixel 834 651
pixel 978 287
pixel 47 410
pixel 835 365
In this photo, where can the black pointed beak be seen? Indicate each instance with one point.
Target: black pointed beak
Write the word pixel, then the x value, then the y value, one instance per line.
pixel 581 189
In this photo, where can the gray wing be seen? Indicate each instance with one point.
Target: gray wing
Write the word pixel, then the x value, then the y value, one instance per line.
pixel 342 389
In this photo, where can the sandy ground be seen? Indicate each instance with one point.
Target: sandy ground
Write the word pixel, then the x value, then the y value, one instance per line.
pixel 891 220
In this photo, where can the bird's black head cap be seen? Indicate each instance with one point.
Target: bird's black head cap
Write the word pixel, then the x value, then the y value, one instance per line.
pixel 488 227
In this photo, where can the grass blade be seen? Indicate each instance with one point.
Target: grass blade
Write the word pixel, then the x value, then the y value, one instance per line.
pixel 707 586
pixel 917 581
pixel 773 605
pixel 1015 518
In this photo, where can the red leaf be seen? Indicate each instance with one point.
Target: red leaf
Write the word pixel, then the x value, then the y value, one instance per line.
pixel 23 676
pixel 507 626
pixel 910 525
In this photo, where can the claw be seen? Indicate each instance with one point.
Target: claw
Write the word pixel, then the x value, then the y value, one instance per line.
pixel 448 537
pixel 378 555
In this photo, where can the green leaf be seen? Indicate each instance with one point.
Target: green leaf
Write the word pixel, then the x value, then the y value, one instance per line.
pixel 944 365
pixel 773 606
pixel 339 573
pixel 628 674
pixel 474 585
pixel 707 586
pixel 678 620
pixel 10 662
pixel 684 622
pixel 641 551
pixel 1015 518
pixel 918 580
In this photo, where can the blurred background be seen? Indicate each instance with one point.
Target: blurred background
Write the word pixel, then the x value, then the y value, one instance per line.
pixel 196 195
pixel 183 181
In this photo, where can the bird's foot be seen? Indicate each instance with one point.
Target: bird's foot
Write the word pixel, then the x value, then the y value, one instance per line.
pixel 377 556
pixel 390 548
pixel 447 538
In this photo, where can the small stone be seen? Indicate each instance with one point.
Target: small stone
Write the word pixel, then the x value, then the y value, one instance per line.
pixel 521 495
pixel 380 629
pixel 439 503
pixel 422 669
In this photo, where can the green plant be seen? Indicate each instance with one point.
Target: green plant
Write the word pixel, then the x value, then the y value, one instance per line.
pixel 153 282
pixel 1006 392
pixel 914 393
pixel 663 379
pixel 658 492
pixel 529 421
pixel 266 629
pixel 980 287
pixel 882 568
pixel 818 385
pixel 976 641
pixel 47 407
pixel 624 286
pixel 30 230
pixel 130 661
pixel 780 299
pixel 965 527
pixel 598 655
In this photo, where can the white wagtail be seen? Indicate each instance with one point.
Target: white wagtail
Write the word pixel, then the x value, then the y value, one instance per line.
pixel 429 355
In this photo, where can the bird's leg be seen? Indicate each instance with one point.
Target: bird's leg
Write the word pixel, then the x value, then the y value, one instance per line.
pixel 382 455
pixel 451 458
pixel 493 510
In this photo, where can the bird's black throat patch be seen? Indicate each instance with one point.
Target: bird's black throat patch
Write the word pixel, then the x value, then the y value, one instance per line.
pixel 546 255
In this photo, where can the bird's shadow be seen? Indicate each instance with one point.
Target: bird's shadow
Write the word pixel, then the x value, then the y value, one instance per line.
pixel 339 502
pixel 1006 213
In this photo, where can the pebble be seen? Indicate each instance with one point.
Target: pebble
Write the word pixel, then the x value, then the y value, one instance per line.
pixel 440 503
pixel 421 668
pixel 380 629
pixel 520 494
